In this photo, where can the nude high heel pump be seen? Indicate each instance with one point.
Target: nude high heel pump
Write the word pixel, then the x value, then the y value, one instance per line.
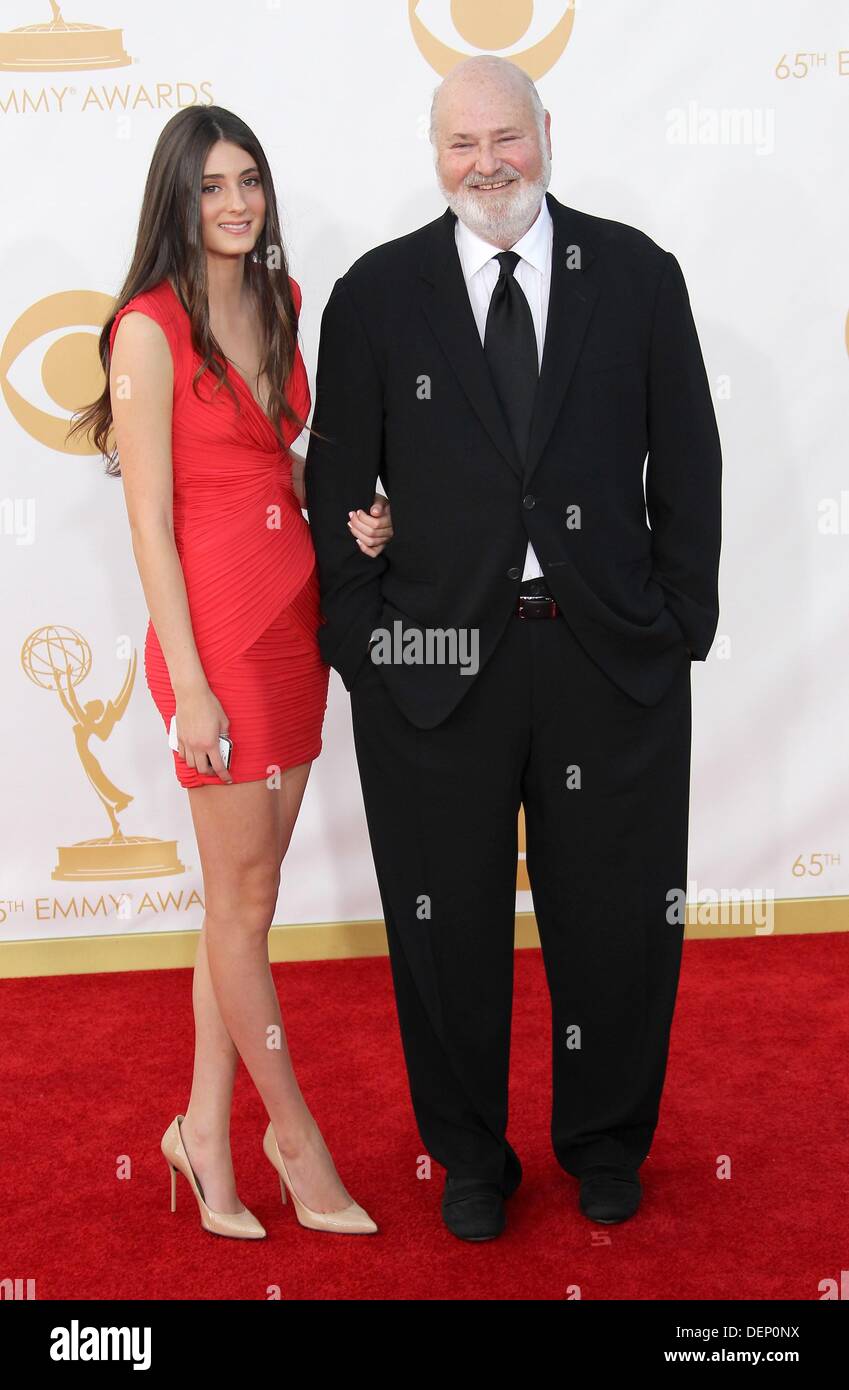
pixel 241 1224
pixel 351 1220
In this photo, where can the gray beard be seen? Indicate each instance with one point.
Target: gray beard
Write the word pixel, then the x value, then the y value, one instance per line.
pixel 501 219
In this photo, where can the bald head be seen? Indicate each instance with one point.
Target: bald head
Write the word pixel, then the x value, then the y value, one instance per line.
pixel 484 79
pixel 492 147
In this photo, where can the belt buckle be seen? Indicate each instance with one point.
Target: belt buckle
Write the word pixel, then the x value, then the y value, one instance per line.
pixel 536 606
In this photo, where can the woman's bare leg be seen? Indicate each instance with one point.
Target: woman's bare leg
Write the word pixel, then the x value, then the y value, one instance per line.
pixel 243 832
pixel 206 1128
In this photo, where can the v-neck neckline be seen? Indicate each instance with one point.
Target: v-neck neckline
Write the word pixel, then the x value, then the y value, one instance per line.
pixel 228 364
pixel 260 407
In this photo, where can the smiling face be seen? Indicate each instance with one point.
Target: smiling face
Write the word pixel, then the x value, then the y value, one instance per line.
pixel 492 167
pixel 232 201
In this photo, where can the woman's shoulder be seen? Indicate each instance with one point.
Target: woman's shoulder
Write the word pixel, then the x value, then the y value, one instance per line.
pixel 296 294
pixel 159 303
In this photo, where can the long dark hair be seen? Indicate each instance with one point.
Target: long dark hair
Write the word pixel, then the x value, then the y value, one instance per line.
pixel 169 244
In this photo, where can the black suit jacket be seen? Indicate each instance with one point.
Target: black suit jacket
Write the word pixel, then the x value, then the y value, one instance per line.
pixel 403 390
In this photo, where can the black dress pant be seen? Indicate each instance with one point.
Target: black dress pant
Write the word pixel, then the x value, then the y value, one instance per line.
pixel 605 786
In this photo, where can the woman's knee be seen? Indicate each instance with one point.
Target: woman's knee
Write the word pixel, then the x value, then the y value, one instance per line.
pixel 246 896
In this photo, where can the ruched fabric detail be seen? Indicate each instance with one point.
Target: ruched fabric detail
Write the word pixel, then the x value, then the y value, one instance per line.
pixel 247 558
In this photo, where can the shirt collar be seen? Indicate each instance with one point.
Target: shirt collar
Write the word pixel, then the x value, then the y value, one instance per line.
pixel 533 247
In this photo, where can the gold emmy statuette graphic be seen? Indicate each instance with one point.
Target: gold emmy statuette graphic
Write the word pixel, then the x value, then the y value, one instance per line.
pixel 523 883
pixel 491 26
pixel 59 659
pixel 70 368
pixel 61 46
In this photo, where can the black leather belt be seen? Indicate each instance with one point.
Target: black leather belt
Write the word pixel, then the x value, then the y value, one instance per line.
pixel 535 601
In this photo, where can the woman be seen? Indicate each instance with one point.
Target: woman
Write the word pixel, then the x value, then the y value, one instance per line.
pixel 206 390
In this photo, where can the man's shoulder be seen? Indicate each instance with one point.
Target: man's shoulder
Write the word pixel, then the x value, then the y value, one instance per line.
pixel 618 239
pixel 384 270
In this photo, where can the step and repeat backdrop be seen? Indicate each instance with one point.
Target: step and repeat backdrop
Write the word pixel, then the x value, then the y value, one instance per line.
pixel 719 129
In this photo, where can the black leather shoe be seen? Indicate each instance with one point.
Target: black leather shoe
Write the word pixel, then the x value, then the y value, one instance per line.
pixel 473 1208
pixel 609 1194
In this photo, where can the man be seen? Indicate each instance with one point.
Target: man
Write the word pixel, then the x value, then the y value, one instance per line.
pixel 508 402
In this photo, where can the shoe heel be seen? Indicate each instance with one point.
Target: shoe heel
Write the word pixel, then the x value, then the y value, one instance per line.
pixel 282 1188
pixel 242 1225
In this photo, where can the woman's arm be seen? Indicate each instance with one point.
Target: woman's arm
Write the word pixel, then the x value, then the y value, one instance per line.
pixel 298 462
pixel 142 359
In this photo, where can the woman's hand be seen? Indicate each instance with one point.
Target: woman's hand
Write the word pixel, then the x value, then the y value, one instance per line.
pixel 372 530
pixel 200 719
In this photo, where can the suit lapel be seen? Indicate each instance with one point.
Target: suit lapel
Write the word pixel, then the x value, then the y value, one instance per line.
pixel 446 303
pixel 572 299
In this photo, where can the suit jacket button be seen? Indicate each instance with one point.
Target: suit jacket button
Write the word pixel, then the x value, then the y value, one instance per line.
pixel 514 572
pixel 529 500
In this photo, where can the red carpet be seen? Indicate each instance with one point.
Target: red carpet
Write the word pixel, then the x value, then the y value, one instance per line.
pixel 96 1066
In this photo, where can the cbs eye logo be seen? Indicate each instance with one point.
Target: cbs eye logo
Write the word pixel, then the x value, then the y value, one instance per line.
pixel 63 373
pixel 530 33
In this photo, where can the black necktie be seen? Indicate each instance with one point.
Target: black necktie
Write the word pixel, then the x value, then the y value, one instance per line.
pixel 510 347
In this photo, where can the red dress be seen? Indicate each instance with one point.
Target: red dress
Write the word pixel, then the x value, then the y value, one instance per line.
pixel 248 562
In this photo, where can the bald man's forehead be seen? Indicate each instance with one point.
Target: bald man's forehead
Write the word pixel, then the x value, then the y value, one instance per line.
pixel 470 110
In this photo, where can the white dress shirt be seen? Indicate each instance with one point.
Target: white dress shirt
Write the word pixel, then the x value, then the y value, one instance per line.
pixel 532 273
